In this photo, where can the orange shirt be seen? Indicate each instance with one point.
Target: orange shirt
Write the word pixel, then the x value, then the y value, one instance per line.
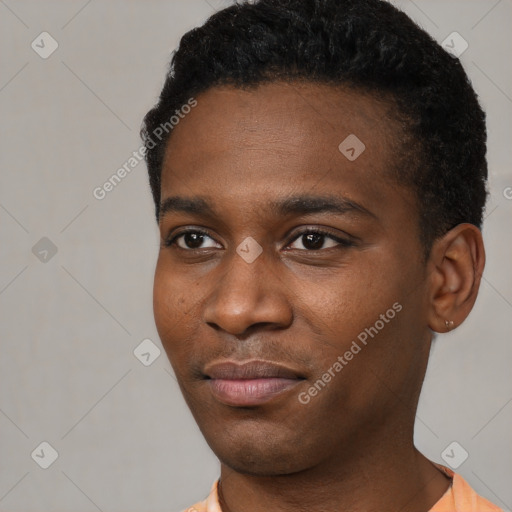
pixel 460 497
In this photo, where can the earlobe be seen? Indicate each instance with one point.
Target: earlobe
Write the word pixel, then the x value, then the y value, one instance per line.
pixel 450 324
pixel 456 264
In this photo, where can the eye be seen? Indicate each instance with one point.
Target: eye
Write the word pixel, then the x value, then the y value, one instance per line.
pixel 190 240
pixel 314 239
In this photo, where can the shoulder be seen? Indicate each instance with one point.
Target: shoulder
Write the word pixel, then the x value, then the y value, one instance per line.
pixel 462 497
pixel 209 504
pixel 198 507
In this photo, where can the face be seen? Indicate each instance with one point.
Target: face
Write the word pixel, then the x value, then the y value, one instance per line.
pixel 281 256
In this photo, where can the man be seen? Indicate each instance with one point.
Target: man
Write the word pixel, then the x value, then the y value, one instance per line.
pixel 318 169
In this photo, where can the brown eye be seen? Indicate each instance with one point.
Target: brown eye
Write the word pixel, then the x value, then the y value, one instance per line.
pixel 191 240
pixel 314 240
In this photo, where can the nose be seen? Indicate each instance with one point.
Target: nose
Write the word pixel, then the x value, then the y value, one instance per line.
pixel 247 294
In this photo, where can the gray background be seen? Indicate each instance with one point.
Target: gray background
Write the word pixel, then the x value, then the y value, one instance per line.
pixel 69 325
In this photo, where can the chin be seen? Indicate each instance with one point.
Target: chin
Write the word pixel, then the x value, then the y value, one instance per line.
pixel 261 465
pixel 260 453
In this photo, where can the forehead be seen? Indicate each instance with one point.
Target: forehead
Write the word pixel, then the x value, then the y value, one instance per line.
pixel 296 118
pixel 279 139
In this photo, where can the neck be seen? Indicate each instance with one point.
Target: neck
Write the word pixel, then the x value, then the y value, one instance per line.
pixel 385 475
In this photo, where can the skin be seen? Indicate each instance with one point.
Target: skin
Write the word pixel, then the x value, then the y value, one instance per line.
pixel 351 447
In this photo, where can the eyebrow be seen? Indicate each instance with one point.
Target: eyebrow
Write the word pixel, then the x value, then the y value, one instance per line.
pixel 298 205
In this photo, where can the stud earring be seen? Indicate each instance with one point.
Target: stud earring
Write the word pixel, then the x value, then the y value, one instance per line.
pixel 449 324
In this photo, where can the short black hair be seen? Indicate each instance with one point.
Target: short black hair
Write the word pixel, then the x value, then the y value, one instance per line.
pixel 368 45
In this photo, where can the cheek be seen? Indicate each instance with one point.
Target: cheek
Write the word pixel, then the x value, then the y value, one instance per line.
pixel 355 301
pixel 361 318
pixel 171 306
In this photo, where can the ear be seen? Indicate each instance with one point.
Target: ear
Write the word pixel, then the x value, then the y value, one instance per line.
pixel 456 264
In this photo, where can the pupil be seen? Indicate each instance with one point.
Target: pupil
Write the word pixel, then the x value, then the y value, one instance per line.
pixel 316 238
pixel 194 240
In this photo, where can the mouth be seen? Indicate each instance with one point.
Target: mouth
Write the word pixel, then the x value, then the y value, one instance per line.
pixel 250 383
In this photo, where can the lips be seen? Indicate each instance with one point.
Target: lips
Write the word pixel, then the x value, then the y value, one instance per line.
pixel 254 369
pixel 251 383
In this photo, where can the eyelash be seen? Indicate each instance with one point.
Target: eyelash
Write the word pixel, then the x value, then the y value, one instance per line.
pixel 315 231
